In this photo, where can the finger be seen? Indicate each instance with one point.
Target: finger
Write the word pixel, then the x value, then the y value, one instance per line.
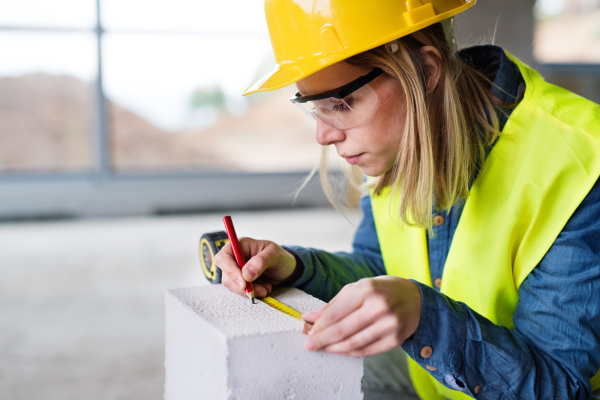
pixel 346 303
pixel 343 329
pixel 382 327
pixel 311 317
pixel 226 262
pixel 263 259
pixel 345 289
pixel 382 345
pixel 269 287
pixel 314 315
pixel 260 289
pixel 225 256
pixel 226 281
pixel 307 327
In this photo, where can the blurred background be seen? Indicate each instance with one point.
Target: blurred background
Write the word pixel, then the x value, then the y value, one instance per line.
pixel 123 138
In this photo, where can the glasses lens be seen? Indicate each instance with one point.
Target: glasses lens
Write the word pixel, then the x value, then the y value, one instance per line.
pixel 342 113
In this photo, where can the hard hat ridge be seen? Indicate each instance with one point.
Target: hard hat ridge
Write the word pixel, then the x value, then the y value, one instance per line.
pixel 309 35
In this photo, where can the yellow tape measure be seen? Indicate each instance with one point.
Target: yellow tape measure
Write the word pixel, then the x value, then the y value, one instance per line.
pixel 281 307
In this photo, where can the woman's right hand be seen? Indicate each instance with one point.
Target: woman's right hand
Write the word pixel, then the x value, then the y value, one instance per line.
pixel 268 264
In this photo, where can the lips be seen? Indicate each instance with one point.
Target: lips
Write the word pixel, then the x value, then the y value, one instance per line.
pixel 353 160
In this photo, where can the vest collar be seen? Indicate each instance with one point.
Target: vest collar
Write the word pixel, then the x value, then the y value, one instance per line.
pixel 493 62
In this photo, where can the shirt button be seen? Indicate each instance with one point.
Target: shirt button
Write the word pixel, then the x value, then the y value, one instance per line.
pixel 438 220
pixel 431 368
pixel 426 352
pixel 477 389
pixel 438 282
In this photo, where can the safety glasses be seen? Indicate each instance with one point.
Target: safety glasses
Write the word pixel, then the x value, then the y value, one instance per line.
pixel 343 107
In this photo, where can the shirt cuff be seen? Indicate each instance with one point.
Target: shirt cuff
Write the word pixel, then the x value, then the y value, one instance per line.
pixel 439 342
pixel 302 257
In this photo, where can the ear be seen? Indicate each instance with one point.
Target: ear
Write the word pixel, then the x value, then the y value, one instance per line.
pixel 432 62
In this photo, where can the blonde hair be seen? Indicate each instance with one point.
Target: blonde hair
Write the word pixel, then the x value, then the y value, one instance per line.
pixel 445 135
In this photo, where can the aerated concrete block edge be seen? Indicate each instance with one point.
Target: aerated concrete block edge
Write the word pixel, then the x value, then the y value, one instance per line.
pixel 219 346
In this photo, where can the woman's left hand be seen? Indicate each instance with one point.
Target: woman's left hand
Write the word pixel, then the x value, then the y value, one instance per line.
pixel 368 317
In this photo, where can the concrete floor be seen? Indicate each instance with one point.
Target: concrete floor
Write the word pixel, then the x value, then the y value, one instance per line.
pixel 81 302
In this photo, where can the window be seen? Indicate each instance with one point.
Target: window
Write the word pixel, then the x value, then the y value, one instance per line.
pixel 47 71
pixel 120 107
pixel 567 31
pixel 165 97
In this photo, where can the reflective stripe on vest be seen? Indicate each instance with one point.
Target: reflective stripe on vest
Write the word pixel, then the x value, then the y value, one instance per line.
pixel 545 162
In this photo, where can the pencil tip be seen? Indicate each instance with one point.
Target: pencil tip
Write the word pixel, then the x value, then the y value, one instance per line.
pixel 253 302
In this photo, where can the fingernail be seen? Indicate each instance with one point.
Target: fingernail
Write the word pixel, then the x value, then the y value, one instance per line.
pixel 310 346
pixel 240 284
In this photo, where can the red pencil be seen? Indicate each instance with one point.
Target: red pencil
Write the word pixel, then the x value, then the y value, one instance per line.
pixel 237 252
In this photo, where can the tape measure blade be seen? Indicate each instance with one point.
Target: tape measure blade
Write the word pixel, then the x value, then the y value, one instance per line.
pixel 281 307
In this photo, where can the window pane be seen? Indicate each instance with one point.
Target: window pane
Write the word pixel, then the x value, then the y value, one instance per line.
pixel 185 15
pixel 567 31
pixel 46 101
pixel 54 13
pixel 176 103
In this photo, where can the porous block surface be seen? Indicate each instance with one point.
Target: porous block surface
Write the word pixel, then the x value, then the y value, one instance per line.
pixel 218 345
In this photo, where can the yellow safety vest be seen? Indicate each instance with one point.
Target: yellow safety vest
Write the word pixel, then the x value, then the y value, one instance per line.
pixel 540 169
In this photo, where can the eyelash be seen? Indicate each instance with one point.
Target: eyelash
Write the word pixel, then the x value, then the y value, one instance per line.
pixel 342 106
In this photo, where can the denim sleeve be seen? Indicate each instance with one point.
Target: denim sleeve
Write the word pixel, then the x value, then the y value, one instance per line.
pixel 325 274
pixel 554 348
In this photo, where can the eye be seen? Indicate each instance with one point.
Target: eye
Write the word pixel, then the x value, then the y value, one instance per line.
pixel 340 107
pixel 344 106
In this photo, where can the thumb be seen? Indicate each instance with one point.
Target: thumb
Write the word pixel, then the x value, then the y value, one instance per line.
pixel 264 259
pixel 256 266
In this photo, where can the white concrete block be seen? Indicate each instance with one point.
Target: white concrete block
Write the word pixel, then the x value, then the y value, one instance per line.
pixel 220 346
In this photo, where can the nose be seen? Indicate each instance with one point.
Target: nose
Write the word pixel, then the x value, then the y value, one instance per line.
pixel 327 134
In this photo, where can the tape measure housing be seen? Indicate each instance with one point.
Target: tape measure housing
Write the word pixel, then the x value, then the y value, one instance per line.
pixel 210 245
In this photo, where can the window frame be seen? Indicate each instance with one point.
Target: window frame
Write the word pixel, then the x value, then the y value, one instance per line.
pixel 104 191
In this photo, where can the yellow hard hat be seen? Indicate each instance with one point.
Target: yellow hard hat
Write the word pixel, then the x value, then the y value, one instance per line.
pixel 309 35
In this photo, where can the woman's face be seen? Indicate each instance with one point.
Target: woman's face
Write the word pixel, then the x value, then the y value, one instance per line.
pixel 373 144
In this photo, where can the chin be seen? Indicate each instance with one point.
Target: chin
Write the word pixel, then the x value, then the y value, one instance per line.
pixel 372 171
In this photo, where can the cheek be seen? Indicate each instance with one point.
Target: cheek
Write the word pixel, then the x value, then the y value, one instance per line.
pixel 389 122
pixel 388 127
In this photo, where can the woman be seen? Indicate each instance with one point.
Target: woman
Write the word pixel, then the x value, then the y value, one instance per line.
pixel 504 304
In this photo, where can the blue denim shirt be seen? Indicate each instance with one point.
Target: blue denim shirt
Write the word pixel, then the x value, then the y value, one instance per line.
pixel 554 348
